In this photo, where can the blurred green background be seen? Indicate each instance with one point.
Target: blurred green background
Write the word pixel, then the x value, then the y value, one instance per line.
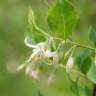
pixel 13 52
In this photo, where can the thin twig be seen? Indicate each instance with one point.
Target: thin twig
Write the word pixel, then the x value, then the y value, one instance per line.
pixel 75 43
pixel 80 45
pixel 73 71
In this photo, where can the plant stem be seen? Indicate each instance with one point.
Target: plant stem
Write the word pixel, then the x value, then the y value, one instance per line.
pixel 80 45
pixel 74 43
pixel 73 71
pixel 40 30
pixel 61 43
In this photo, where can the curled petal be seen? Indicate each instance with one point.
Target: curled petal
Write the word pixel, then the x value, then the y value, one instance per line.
pixel 42 46
pixel 28 44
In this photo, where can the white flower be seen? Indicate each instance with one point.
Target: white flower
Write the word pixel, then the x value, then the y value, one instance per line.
pixel 40 51
pixel 69 64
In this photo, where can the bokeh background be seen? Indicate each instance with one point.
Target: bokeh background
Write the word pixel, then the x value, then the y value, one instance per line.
pixel 13 52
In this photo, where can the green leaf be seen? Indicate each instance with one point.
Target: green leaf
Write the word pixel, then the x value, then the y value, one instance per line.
pixel 74 87
pixel 33 31
pixel 93 35
pixel 62 19
pixel 92 74
pixel 40 94
pixel 84 90
pixel 84 61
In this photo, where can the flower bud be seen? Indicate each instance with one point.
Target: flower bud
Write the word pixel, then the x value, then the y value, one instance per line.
pixel 27 70
pixel 34 74
pixel 69 64
pixel 21 67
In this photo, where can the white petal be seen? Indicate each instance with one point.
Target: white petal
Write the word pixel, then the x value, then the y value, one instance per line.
pixel 28 69
pixel 69 65
pixel 50 54
pixel 33 56
pixel 21 67
pixel 41 46
pixel 28 44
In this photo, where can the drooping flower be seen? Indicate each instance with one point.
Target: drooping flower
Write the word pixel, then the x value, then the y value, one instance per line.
pixel 40 50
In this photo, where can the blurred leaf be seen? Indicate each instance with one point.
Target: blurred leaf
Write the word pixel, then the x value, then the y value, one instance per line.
pixel 84 91
pixel 40 94
pixel 33 35
pixel 74 87
pixel 92 74
pixel 84 61
pixel 93 35
pixel 62 19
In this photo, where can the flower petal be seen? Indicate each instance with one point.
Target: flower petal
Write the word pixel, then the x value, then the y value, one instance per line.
pixel 49 54
pixel 28 44
pixel 34 56
pixel 28 69
pixel 21 67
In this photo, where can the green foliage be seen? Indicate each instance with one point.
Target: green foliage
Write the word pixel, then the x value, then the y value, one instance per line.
pixel 74 86
pixel 62 19
pixel 93 35
pixel 84 61
pixel 84 90
pixel 33 31
pixel 92 74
